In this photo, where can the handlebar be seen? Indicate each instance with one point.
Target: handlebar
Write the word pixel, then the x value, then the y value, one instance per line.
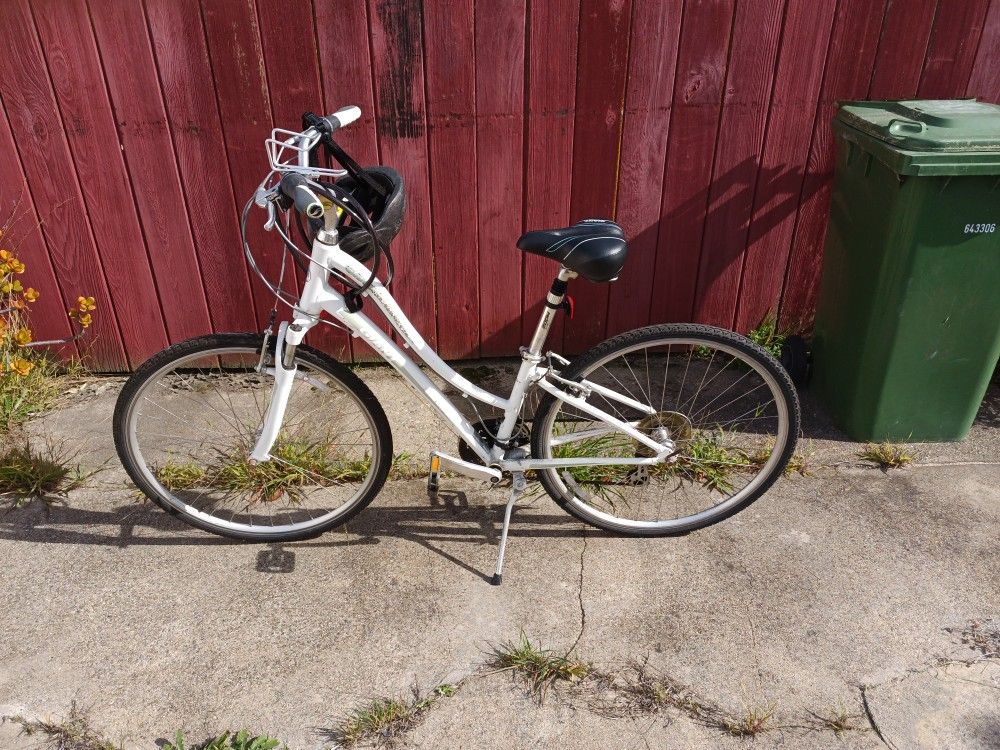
pixel 296 187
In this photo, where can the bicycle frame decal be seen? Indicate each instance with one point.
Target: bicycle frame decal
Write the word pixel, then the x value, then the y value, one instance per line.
pixel 319 296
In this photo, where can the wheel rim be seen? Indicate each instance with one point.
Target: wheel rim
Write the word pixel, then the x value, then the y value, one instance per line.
pixel 689 360
pixel 195 459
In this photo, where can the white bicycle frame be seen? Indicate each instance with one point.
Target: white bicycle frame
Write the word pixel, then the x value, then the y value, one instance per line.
pixel 318 296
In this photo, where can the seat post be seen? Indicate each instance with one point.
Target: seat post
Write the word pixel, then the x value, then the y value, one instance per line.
pixel 552 302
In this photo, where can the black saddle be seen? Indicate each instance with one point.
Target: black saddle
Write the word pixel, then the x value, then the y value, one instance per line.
pixel 594 248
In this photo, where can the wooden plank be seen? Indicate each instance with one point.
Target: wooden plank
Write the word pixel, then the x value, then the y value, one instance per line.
pixel 189 95
pixel 697 102
pixel 652 64
pixel 35 121
pixel 600 103
pixel 78 81
pixel 951 51
pixel 984 81
pixel 398 66
pixel 850 61
pixel 900 56
pixel 450 47
pixel 500 41
pixel 346 72
pixel 149 156
pixel 237 59
pixel 749 82
pixel 295 87
pixel 808 25
pixel 548 172
pixel 22 234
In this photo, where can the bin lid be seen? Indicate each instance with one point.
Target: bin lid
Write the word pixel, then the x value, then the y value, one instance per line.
pixel 931 136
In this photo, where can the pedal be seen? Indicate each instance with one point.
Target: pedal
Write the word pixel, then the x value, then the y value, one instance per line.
pixel 434 477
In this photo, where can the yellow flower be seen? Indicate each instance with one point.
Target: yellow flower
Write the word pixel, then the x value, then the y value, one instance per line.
pixel 4 269
pixel 6 255
pixel 21 366
pixel 10 286
pixel 23 336
pixel 86 304
pixel 17 266
pixel 31 294
pixel 85 320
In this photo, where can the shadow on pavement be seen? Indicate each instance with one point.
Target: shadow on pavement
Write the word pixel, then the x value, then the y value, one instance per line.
pixel 448 519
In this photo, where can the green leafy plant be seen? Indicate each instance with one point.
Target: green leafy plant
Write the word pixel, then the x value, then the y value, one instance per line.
pixel 26 376
pixel 768 335
pixel 228 740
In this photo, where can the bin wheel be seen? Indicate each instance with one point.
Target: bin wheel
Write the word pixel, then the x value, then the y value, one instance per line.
pixel 795 358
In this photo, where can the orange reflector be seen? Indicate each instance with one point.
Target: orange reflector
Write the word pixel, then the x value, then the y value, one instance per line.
pixel 435 464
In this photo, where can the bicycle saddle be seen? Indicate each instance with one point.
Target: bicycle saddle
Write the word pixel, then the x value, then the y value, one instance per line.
pixel 594 248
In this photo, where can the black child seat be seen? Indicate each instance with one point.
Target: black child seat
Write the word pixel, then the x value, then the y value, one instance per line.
pixel 594 248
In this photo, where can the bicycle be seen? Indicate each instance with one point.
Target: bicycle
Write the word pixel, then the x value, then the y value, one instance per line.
pixel 657 431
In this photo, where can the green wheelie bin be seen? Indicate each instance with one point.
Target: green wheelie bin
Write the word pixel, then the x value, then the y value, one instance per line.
pixel 907 330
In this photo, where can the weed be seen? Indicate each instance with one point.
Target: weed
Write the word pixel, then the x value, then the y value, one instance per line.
pixel 755 719
pixel 405 467
pixel 539 668
pixel 767 335
pixel 887 455
pixel 241 740
pixel 26 473
pixel 72 733
pixel 838 721
pixel 384 721
pixel 983 637
pixel 295 464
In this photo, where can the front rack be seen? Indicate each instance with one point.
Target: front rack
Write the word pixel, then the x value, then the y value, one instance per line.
pixel 288 151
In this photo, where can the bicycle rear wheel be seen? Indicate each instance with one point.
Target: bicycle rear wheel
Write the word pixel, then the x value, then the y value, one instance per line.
pixel 726 403
pixel 186 421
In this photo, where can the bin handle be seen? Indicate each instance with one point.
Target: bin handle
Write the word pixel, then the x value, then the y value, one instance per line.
pixel 906 127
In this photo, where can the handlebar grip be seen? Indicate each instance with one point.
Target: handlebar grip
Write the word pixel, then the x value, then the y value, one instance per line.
pixel 343 117
pixel 296 188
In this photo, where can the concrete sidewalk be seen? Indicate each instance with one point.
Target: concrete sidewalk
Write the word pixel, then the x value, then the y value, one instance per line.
pixel 846 579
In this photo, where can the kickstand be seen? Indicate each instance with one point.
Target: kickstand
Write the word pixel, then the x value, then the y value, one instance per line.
pixel 516 490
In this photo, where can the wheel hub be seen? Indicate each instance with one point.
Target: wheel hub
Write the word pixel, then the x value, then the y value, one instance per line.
pixel 664 427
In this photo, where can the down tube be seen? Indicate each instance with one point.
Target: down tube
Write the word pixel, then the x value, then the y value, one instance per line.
pixel 376 338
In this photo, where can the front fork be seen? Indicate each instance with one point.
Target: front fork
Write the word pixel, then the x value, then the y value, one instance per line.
pixel 288 339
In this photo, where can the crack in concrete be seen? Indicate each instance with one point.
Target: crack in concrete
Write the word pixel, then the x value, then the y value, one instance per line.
pixel 871 717
pixel 583 609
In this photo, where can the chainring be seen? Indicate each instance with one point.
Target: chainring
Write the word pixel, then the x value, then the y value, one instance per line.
pixel 486 429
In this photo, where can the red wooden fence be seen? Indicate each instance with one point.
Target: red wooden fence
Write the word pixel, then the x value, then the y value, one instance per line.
pixel 131 135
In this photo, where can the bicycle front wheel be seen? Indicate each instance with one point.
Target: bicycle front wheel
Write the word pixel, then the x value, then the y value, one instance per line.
pixel 725 403
pixel 187 420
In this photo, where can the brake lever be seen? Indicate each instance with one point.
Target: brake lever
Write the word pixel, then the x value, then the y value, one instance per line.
pixel 265 199
pixel 272 217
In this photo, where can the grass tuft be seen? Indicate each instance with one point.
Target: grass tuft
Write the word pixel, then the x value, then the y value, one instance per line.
pixel 539 668
pixel 887 455
pixel 385 721
pixel 72 733
pixel 26 473
pixel 228 740
pixel 838 721
pixel 755 719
